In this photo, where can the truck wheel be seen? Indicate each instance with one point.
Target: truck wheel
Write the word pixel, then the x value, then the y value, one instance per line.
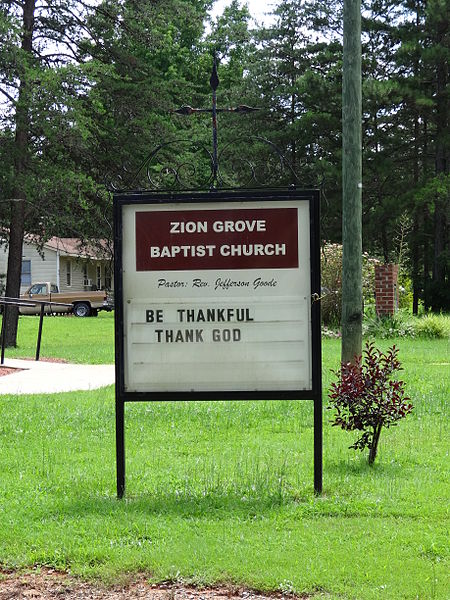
pixel 81 309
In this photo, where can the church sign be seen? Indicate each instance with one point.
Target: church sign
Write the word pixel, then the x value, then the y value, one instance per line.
pixel 215 299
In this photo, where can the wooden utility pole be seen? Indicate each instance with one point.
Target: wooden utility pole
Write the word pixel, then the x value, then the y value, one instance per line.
pixel 352 303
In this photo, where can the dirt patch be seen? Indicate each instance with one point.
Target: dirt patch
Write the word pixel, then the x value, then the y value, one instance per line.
pixel 50 360
pixel 51 585
pixel 8 371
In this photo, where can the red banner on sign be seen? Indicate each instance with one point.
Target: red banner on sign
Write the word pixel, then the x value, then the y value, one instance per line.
pixel 217 239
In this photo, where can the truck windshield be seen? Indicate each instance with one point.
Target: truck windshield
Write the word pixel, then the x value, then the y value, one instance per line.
pixel 38 288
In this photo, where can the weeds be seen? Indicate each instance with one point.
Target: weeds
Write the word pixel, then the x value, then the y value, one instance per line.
pixel 404 325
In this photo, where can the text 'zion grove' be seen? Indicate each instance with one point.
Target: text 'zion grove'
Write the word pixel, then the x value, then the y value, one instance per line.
pixel 218 226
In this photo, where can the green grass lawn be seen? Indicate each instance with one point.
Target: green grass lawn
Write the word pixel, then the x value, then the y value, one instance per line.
pixel 223 491
pixel 71 338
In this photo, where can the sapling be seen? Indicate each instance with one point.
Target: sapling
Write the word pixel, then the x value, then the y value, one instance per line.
pixel 367 398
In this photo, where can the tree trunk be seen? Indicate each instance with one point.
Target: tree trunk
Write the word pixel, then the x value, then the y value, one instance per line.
pixel 442 202
pixel 415 263
pixel 352 305
pixel 427 235
pixel 374 445
pixel 415 249
pixel 14 268
pixel 426 258
pixel 17 225
pixel 292 117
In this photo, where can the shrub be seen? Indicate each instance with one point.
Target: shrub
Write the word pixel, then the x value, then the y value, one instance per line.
pixel 432 326
pixel 401 324
pixel 330 333
pixel 366 399
pixel 405 292
pixel 331 273
pixel 331 276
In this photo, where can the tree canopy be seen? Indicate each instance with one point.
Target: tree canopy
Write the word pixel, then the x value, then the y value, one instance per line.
pixel 88 89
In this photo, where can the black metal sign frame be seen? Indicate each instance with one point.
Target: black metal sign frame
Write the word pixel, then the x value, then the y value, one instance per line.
pixel 202 198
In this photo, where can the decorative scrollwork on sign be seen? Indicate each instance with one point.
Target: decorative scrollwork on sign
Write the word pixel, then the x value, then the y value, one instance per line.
pixel 250 162
pixel 175 165
pixel 254 162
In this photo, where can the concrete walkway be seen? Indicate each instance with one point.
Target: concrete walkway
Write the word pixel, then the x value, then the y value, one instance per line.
pixel 40 377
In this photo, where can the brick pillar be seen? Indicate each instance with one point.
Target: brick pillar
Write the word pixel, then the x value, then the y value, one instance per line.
pixel 386 289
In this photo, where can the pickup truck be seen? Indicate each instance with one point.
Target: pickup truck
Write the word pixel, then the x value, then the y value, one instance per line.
pixel 83 304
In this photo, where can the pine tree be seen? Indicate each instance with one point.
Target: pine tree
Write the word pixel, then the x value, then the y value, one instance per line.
pixel 295 74
pixel 40 81
pixel 410 41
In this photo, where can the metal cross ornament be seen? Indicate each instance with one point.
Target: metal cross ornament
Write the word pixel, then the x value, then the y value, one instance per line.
pixel 188 110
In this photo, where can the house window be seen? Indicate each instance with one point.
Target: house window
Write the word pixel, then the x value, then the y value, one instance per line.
pixel 86 281
pixel 25 277
pixel 68 273
pixel 99 277
pixel 107 277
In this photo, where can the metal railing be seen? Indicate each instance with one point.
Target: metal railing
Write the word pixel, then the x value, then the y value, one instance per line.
pixel 5 302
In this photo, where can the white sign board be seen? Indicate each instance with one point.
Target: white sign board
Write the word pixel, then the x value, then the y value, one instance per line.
pixel 216 296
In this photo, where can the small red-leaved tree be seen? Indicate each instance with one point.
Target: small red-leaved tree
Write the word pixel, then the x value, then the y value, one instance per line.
pixel 366 398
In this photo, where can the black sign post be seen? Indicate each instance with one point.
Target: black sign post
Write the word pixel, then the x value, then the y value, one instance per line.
pixel 226 283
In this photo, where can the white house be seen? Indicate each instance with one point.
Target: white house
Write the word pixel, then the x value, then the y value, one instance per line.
pixel 64 261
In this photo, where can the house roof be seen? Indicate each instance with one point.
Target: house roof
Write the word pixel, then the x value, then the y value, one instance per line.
pixel 76 248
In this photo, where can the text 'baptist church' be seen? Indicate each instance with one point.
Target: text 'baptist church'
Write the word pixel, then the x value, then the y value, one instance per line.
pixel 227 250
